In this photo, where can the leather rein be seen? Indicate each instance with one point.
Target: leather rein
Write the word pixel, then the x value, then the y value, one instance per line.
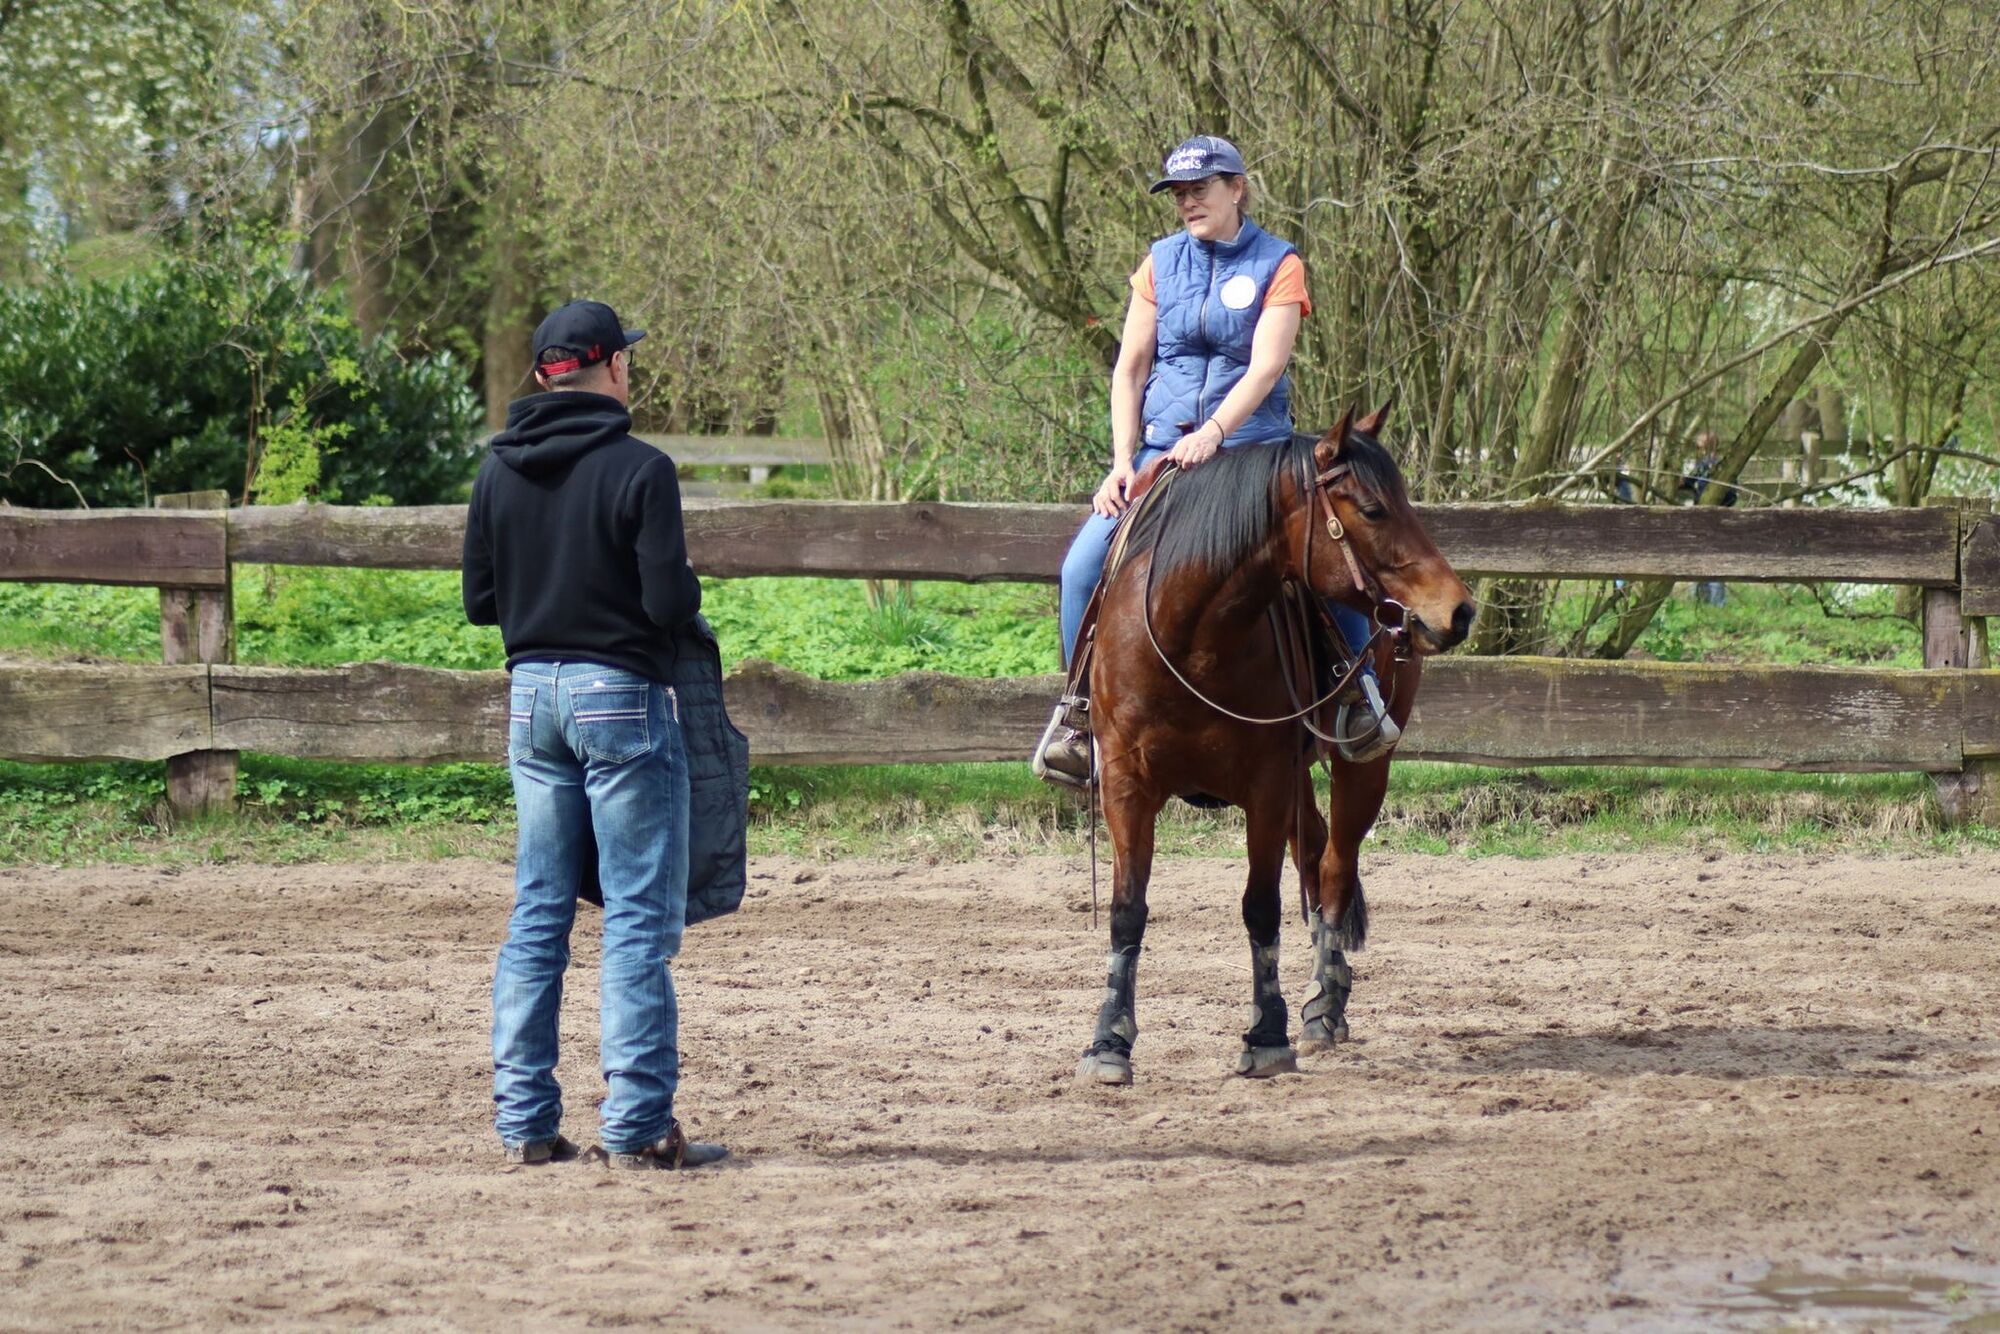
pixel 1390 617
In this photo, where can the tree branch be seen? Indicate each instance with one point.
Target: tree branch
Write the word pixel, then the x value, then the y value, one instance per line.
pixel 1837 311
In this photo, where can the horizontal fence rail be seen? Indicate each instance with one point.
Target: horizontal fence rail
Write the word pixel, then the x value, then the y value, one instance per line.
pixel 1513 711
pixel 180 549
pixel 1019 543
pixel 1944 719
pixel 742 451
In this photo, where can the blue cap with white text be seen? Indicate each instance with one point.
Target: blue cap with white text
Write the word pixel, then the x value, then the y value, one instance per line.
pixel 1199 158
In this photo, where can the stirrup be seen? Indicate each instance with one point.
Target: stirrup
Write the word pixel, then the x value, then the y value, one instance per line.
pixel 1373 743
pixel 1068 739
pixel 1353 694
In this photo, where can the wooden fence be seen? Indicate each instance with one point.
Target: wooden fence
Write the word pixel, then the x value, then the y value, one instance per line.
pixel 199 708
pixel 758 453
pixel 754 455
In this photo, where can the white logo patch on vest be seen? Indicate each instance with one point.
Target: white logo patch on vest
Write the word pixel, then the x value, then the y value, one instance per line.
pixel 1239 292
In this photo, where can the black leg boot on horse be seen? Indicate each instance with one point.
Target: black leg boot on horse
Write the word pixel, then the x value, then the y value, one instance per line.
pixel 1337 906
pixel 1108 1060
pixel 1324 1015
pixel 1325 1012
pixel 1267 1045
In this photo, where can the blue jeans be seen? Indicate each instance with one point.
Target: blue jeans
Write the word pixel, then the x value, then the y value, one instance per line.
pixel 1084 565
pixel 596 758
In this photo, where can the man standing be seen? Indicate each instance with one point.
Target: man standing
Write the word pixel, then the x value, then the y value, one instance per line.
pixel 574 548
pixel 1693 483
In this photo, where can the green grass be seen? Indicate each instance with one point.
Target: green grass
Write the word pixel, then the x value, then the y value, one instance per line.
pixel 292 810
pixel 1781 623
pixel 962 811
pixel 318 618
pixel 826 627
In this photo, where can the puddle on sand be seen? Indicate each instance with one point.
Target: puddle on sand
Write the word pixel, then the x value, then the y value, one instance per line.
pixel 1965 1300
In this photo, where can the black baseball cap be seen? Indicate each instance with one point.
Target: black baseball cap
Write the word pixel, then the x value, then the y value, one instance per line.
pixel 589 329
pixel 1199 158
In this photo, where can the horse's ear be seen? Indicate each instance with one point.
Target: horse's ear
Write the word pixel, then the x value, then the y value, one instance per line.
pixel 1327 452
pixel 1372 423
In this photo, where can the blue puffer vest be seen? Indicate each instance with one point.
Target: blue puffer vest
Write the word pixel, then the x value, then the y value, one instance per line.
pixel 1209 294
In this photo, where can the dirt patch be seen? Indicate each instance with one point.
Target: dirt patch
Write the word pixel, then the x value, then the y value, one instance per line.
pixel 260 1093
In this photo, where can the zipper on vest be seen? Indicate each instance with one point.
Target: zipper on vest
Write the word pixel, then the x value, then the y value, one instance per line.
pixel 1201 323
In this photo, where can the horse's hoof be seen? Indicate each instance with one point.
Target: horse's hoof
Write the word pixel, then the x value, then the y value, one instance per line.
pixel 1104 1067
pixel 1263 1062
pixel 1321 1036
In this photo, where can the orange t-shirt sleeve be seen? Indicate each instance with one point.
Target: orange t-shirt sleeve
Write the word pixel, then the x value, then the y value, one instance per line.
pixel 1142 281
pixel 1288 288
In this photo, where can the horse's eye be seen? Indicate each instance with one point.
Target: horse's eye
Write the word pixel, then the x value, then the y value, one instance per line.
pixel 1374 513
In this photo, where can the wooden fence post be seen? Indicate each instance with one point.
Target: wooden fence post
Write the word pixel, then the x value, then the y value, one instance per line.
pixel 198 625
pixel 1979 579
pixel 1955 636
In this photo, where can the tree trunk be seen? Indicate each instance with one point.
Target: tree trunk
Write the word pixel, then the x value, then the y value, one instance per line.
pixel 507 337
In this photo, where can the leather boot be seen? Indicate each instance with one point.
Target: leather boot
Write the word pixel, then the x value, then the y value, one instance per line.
pixel 1365 729
pixel 1064 754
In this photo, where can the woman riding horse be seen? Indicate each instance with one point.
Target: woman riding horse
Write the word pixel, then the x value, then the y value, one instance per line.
pixel 1201 689
pixel 1215 310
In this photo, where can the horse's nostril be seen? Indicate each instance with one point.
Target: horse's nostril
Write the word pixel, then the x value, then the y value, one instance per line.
pixel 1461 619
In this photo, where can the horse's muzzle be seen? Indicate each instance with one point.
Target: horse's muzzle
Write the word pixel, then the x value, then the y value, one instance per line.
pixel 1443 641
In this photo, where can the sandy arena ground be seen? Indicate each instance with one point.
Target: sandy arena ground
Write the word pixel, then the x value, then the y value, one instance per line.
pixel 1599 1092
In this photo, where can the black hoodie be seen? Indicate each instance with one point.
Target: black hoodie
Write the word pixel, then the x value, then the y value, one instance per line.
pixel 573 542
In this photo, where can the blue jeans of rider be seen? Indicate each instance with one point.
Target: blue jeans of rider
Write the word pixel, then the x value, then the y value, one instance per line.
pixel 596 757
pixel 1084 565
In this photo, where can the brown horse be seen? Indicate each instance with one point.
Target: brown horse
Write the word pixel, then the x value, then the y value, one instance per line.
pixel 1183 640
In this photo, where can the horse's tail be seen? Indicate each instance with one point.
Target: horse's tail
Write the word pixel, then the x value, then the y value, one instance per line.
pixel 1352 932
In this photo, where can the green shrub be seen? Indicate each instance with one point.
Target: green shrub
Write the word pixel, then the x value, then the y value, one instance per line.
pixel 112 392
pixel 321 618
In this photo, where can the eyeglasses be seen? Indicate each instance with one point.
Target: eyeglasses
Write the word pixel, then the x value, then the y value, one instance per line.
pixel 1182 191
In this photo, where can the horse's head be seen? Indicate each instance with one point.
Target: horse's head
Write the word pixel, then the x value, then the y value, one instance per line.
pixel 1358 480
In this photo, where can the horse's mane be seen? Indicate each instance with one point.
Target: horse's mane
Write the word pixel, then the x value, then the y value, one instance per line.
pixel 1219 514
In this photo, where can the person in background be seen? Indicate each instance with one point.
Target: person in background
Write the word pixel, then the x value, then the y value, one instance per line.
pixel 1693 483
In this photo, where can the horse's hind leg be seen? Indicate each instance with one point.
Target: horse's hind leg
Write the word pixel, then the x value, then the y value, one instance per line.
pixel 1109 1057
pixel 1267 1046
pixel 1341 924
pixel 1308 851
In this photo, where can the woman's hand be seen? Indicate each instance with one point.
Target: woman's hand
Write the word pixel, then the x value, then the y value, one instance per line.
pixel 1110 498
pixel 1197 446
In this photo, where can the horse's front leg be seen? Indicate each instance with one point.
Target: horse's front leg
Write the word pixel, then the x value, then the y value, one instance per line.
pixel 1267 1045
pixel 1129 816
pixel 1324 1009
pixel 1341 924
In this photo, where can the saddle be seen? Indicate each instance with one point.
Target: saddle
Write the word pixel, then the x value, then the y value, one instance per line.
pixel 1312 653
pixel 1141 495
pixel 1148 475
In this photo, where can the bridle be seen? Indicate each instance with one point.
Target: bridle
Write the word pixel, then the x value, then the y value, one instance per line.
pixel 1398 628
pixel 1391 618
